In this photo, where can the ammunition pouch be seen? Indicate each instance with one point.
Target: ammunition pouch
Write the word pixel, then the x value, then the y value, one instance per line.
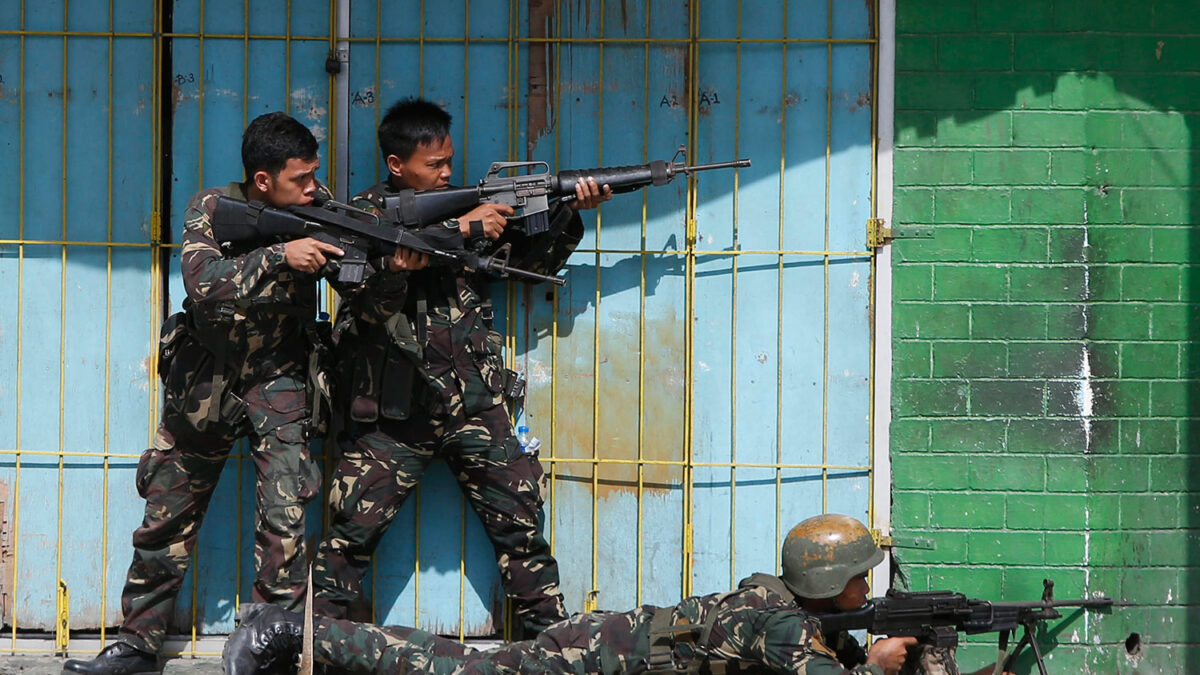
pixel 170 336
pixel 381 360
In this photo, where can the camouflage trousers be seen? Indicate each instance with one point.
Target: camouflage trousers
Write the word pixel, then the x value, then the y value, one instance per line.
pixel 177 476
pixel 360 648
pixel 505 488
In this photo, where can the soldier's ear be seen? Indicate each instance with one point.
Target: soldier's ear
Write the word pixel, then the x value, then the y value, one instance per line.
pixel 395 166
pixel 263 180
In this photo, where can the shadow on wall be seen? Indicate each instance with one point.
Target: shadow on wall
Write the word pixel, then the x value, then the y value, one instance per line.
pixel 1144 557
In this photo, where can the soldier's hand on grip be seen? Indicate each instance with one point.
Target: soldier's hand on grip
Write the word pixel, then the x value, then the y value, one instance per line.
pixel 406 259
pixel 493 216
pixel 890 653
pixel 308 255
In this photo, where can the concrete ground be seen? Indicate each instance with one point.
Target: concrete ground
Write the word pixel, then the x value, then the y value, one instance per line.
pixel 52 665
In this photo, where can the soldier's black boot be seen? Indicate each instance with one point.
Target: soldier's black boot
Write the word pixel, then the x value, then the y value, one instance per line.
pixel 119 658
pixel 267 640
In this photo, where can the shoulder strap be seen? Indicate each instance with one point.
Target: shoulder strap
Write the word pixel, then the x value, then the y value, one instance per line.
pixel 664 632
pixel 770 582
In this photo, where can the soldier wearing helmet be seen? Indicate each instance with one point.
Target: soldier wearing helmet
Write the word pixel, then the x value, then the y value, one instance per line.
pixel 765 624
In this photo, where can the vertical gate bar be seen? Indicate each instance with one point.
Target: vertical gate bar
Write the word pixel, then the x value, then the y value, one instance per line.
pixel 237 453
pixel 195 564
pixel 882 81
pixel 554 89
pixel 596 336
pixel 466 148
pixel 107 330
pixel 287 58
pixel 16 527
pixel 641 439
pixel 783 108
pixel 871 297
pixel 420 50
pixel 421 90
pixel 825 264
pixel 157 275
pixel 510 334
pixel 62 332
pixel 689 78
pixel 733 310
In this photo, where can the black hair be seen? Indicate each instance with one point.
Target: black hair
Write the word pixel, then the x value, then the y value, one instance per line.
pixel 409 123
pixel 271 140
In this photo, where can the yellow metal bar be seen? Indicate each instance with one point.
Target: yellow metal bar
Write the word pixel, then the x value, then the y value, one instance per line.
pixel 444 40
pixel 689 300
pixel 871 293
pixel 596 339
pixel 62 620
pixel 238 464
pixel 641 467
pixel 107 339
pixel 63 242
pixel 733 319
pixel 825 263
pixel 62 597
pixel 615 40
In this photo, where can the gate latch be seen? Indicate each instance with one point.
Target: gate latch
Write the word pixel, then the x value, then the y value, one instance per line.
pixel 903 541
pixel 878 234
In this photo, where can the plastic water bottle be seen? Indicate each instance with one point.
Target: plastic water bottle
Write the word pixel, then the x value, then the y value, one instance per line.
pixel 529 443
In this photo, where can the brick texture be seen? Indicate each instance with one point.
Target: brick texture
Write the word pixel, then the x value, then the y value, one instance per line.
pixel 1047 338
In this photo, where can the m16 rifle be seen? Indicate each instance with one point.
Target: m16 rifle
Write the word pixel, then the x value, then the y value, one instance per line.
pixel 360 234
pixel 937 617
pixel 530 194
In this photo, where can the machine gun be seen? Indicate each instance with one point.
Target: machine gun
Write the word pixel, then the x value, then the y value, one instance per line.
pixel 360 234
pixel 937 617
pixel 530 194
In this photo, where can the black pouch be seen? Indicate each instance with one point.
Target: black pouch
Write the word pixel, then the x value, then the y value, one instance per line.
pixel 172 334
pixel 320 381
pixel 514 390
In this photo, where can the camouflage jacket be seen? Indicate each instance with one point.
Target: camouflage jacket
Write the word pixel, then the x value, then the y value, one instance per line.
pixel 250 298
pixel 755 630
pixel 440 328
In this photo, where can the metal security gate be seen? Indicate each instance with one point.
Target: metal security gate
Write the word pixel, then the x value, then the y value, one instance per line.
pixel 701 383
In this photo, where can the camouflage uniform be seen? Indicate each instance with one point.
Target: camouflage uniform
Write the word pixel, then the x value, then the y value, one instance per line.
pixel 753 629
pixel 235 366
pixel 425 379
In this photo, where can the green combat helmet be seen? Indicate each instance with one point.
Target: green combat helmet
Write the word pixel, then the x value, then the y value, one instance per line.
pixel 824 552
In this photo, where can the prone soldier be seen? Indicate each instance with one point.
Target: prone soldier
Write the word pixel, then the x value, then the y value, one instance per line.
pixel 765 624
pixel 234 363
pixel 424 377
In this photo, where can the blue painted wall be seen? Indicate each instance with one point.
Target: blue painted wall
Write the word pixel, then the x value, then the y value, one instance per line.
pixel 776 371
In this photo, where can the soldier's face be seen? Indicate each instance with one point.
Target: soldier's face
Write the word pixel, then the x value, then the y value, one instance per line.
pixel 854 595
pixel 294 185
pixel 428 168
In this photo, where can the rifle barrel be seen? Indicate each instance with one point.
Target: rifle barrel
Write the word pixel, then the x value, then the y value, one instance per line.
pixel 735 164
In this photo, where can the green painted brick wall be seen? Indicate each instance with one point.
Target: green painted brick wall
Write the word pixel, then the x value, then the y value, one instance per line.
pixel 1046 354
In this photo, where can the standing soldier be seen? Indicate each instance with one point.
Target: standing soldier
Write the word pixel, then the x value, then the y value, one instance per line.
pixel 765 625
pixel 430 380
pixel 234 363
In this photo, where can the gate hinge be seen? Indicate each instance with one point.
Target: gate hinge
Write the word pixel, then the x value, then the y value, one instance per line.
pixel 901 541
pixel 879 235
